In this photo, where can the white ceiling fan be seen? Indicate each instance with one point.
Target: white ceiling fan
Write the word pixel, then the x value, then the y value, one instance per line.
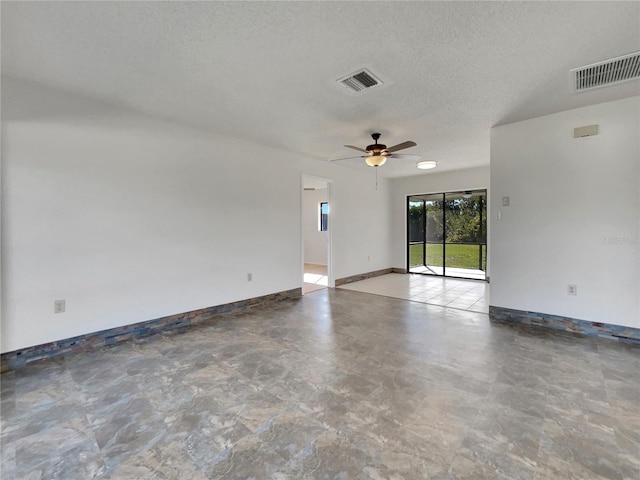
pixel 377 153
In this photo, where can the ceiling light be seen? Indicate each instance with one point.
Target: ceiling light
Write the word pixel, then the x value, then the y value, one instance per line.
pixel 376 160
pixel 426 164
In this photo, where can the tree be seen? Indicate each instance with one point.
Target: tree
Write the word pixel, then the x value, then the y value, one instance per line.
pixel 462 220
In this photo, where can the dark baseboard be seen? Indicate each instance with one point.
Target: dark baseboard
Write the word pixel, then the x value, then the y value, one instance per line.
pixel 362 276
pixel 60 348
pixel 565 324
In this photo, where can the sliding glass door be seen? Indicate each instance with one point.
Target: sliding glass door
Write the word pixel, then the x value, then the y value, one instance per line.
pixel 426 233
pixel 447 234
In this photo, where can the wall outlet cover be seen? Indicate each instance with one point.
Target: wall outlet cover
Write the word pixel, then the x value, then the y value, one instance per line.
pixel 59 306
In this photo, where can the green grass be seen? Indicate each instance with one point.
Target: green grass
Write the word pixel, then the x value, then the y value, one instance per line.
pixel 458 256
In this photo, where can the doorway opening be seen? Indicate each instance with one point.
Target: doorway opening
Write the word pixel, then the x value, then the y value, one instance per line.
pixel 447 234
pixel 316 234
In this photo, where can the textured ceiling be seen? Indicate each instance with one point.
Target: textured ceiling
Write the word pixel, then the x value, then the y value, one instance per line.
pixel 266 71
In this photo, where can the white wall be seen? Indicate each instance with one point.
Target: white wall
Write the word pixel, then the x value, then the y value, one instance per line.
pixel 434 182
pixel 315 241
pixel 574 214
pixel 360 217
pixel 130 218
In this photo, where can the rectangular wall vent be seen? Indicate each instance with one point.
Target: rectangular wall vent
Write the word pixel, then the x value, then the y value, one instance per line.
pixel 609 72
pixel 359 81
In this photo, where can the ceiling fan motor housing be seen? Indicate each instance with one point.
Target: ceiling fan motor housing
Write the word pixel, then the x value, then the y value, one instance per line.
pixel 376 147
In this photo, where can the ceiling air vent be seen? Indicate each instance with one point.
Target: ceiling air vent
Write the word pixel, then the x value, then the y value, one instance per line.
pixel 609 72
pixel 361 80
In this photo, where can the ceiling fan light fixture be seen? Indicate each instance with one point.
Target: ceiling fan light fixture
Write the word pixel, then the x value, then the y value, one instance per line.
pixel 376 160
pixel 377 154
pixel 427 164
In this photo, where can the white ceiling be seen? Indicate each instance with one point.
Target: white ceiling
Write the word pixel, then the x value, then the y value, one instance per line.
pixel 266 71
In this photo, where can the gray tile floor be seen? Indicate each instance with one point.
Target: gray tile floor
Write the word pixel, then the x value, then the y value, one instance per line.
pixel 337 385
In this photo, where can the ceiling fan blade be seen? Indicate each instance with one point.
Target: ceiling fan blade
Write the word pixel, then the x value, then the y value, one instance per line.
pixel 356 148
pixel 400 146
pixel 405 156
pixel 344 158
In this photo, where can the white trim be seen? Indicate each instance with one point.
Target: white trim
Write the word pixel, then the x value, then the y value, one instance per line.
pixel 331 279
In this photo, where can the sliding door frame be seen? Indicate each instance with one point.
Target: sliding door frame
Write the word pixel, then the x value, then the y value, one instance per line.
pixel 484 228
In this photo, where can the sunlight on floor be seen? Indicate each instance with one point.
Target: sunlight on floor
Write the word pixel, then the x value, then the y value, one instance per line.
pixel 469 295
pixel 315 277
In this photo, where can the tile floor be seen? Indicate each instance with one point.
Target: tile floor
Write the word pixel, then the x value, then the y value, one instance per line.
pixel 315 277
pixel 451 272
pixel 472 295
pixel 336 385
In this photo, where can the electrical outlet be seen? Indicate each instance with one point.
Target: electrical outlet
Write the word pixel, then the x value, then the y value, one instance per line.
pixel 572 289
pixel 249 277
pixel 59 306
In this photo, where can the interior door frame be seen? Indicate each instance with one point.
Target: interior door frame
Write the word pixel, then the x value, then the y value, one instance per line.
pixel 330 276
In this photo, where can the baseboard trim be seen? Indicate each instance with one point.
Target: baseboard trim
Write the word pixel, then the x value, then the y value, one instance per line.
pixel 565 324
pixel 60 348
pixel 362 276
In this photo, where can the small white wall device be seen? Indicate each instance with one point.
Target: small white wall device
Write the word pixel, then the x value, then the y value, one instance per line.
pixel 586 131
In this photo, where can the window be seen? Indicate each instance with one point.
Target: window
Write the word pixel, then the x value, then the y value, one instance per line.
pixel 324 216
